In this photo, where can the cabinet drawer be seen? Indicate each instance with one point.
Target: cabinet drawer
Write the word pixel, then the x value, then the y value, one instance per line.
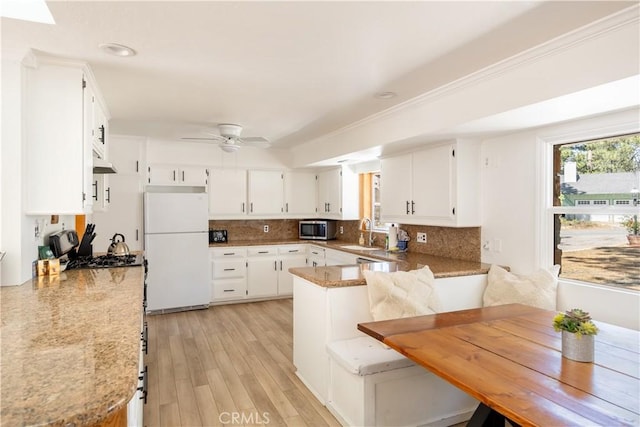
pixel 292 250
pixel 262 250
pixel 223 268
pixel 227 252
pixel 229 289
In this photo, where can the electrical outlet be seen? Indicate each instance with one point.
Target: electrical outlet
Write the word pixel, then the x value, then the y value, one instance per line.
pixel 341 230
pixel 266 228
pixel 421 237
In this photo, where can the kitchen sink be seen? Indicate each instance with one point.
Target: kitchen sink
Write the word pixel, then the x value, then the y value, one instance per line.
pixel 361 248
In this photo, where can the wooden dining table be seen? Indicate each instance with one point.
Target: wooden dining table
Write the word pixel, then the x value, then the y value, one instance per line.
pixel 509 358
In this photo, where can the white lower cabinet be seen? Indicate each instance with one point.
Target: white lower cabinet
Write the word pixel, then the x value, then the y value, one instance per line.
pixel 254 272
pixel 315 256
pixel 228 273
pixel 135 406
pixel 262 271
pixel 291 256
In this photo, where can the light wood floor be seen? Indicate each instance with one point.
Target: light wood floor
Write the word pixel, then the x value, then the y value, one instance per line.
pixel 208 366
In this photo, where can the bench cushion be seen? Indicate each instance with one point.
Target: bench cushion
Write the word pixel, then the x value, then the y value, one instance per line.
pixel 366 356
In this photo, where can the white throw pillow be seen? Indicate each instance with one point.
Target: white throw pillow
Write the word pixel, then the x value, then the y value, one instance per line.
pixel 399 294
pixel 537 289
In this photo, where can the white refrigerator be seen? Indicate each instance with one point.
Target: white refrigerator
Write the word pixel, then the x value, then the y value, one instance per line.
pixel 176 240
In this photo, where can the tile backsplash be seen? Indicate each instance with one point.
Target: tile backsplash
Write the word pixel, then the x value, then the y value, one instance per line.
pixel 458 243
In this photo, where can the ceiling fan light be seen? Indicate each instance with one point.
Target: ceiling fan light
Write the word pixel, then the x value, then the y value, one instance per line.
pixel 229 148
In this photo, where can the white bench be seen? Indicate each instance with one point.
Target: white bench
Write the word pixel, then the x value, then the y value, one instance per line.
pixel 372 385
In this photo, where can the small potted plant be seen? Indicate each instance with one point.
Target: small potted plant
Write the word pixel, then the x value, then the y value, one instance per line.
pixel 578 333
pixel 633 228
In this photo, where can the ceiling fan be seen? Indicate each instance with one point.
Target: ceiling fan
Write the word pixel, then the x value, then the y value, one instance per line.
pixel 229 138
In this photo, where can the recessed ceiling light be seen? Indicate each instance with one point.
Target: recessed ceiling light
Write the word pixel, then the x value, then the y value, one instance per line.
pixel 385 95
pixel 117 49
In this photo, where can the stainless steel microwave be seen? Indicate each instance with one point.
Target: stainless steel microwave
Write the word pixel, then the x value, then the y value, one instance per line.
pixel 319 229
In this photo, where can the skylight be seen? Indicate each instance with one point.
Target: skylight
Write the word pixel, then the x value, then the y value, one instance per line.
pixel 26 10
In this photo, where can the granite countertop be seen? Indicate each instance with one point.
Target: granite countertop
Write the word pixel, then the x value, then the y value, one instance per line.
pixel 70 346
pixel 350 275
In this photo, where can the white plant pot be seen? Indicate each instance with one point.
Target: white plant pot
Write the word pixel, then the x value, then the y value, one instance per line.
pixel 578 347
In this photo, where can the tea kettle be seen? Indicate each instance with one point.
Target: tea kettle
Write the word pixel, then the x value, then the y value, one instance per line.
pixel 118 247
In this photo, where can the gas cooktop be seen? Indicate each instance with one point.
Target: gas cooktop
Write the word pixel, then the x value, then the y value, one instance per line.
pixel 106 261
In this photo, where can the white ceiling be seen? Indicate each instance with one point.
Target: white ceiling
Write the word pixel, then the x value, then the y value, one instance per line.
pixel 288 71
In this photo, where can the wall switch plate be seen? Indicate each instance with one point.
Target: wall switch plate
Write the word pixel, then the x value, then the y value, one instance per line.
pixel 341 230
pixel 421 237
pixel 266 228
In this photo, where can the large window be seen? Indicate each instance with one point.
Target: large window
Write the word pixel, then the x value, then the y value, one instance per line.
pixel 595 210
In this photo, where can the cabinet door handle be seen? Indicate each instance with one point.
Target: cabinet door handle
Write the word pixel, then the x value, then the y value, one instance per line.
pixel 229 269
pixel 242 207
pixel 229 253
pixel 136 234
pixel 182 176
pixel 251 207
pixel 228 290
pixel 280 265
pixel 275 265
pixel 174 176
pixel 293 250
pixel 413 205
pixel 144 375
pixel 263 252
pixel 108 194
pixel 95 190
pixel 287 207
pixel 101 138
pixel 137 165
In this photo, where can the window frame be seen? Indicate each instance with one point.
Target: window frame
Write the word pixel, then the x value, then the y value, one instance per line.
pixel 600 129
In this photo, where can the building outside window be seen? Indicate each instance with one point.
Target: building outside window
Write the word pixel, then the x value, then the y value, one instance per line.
pixel 595 198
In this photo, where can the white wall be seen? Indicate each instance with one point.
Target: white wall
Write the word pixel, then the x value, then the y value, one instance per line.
pixel 509 201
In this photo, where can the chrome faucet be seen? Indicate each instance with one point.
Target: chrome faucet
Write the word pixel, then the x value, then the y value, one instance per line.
pixel 371 238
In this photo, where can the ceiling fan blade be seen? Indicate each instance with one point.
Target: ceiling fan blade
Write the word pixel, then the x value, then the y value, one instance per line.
pixel 252 139
pixel 216 138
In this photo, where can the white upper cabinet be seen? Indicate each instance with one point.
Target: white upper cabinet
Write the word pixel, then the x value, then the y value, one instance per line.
pixel 338 194
pixel 300 194
pixel 438 185
pixel 266 193
pixel 395 187
pixel 168 174
pixel 227 193
pixel 238 193
pixel 128 156
pixel 58 175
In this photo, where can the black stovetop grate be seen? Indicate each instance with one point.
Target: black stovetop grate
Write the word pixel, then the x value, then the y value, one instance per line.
pixel 105 261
